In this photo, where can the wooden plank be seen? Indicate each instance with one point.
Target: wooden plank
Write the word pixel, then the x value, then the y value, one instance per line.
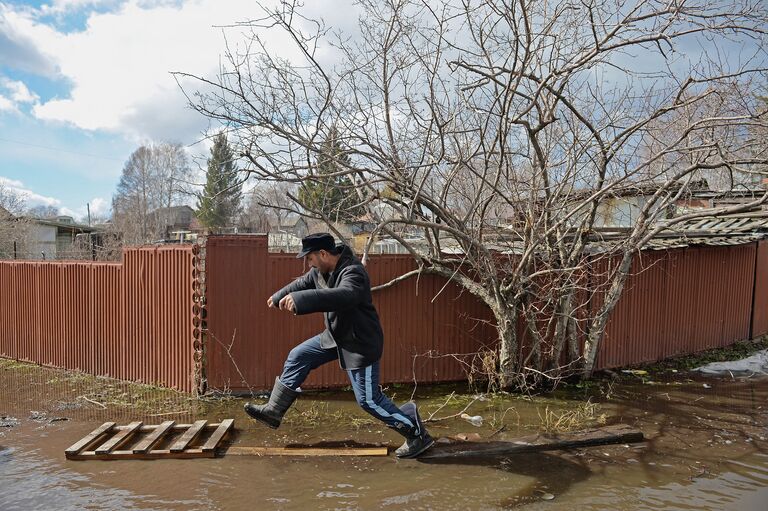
pixel 305 451
pixel 154 437
pixel 119 439
pixel 215 438
pixel 616 434
pixel 176 427
pixel 151 455
pixel 188 436
pixel 89 439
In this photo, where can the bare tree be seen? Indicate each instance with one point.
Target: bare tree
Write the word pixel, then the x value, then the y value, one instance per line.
pixel 254 217
pixel 154 178
pixel 43 211
pixel 498 130
pixel 15 229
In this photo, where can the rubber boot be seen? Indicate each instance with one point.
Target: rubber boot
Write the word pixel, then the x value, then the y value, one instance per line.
pixel 272 412
pixel 416 443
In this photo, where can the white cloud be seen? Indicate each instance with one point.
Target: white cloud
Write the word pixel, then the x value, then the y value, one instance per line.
pixel 31 198
pixel 120 64
pixel 10 183
pixel 100 208
pixel 21 42
pixel 61 6
pixel 19 91
pixel 6 105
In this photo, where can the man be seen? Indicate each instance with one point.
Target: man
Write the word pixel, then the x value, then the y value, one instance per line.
pixel 338 285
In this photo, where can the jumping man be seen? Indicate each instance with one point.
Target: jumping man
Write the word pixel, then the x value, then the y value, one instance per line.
pixel 338 286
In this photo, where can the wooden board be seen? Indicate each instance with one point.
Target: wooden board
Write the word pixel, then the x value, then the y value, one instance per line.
pixel 616 434
pixel 97 433
pixel 305 451
pixel 154 437
pixel 214 440
pixel 119 439
pixel 188 436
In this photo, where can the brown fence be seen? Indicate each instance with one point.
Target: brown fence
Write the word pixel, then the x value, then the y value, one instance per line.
pixel 140 320
pixel 247 342
pixel 681 301
pixel 129 320
pixel 760 304
pixel 677 301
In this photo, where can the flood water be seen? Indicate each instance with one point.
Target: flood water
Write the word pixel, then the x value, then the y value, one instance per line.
pixel 706 448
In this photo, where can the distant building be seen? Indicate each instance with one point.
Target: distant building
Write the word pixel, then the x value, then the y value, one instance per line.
pixel 294 225
pixel 53 238
pixel 177 223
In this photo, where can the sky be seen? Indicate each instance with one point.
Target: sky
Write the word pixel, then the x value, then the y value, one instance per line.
pixel 83 83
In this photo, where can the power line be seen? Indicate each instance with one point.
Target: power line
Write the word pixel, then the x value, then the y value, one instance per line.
pixel 59 150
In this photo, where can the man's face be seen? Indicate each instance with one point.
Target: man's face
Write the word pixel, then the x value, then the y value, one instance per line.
pixel 319 260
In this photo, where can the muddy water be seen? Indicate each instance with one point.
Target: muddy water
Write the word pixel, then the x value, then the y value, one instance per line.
pixel 707 448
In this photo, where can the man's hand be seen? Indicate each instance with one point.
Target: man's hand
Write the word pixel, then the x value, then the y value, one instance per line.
pixel 287 304
pixel 270 303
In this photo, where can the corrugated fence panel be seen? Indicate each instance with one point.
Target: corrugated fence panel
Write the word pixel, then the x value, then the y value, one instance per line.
pixel 421 335
pixel 680 301
pixel 7 312
pixel 134 320
pixel 75 315
pixel 760 297
pixel 158 316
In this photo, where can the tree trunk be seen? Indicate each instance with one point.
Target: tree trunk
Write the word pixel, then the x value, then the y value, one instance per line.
pixel 506 321
pixel 599 322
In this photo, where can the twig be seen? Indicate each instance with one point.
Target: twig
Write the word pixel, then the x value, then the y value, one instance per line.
pixel 231 358
pixel 167 413
pixel 502 428
pixel 441 406
pixel 92 401
pixel 454 415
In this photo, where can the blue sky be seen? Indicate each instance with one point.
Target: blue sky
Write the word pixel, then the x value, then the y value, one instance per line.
pixel 83 83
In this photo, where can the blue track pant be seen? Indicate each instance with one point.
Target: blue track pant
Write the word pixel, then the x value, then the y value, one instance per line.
pixel 365 382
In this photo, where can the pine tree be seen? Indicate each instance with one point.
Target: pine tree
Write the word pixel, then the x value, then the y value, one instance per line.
pixel 334 196
pixel 222 194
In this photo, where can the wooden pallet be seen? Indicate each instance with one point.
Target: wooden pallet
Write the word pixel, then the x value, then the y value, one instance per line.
pixel 111 442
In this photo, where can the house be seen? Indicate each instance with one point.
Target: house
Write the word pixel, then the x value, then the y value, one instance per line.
pixel 176 223
pixel 53 238
pixel 294 225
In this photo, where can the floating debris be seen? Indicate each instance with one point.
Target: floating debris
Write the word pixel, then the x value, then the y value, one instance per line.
pixel 475 420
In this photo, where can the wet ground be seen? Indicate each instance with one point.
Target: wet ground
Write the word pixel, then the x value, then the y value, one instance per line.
pixel 707 448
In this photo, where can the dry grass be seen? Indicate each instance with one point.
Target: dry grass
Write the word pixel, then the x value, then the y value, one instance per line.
pixel 584 416
pixel 317 414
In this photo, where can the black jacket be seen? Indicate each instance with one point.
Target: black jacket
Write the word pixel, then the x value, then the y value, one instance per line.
pixel 351 320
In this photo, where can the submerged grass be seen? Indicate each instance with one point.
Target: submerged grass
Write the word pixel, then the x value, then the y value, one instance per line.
pixel 585 415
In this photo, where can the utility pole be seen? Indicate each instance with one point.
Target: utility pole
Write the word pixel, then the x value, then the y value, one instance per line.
pixel 88 205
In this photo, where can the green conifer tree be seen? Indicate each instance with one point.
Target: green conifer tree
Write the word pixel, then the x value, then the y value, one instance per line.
pixel 222 194
pixel 335 196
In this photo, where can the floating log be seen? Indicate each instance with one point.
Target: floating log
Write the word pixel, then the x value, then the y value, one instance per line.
pixel 615 434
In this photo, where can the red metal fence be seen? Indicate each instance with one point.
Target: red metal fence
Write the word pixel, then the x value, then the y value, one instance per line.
pixel 760 304
pixel 129 320
pixel 141 320
pixel 681 301
pixel 677 301
pixel 248 342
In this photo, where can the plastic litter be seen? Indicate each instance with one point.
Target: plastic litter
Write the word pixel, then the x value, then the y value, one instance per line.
pixel 475 420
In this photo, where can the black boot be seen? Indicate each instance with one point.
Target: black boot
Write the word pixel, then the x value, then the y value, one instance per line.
pixel 272 412
pixel 416 443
